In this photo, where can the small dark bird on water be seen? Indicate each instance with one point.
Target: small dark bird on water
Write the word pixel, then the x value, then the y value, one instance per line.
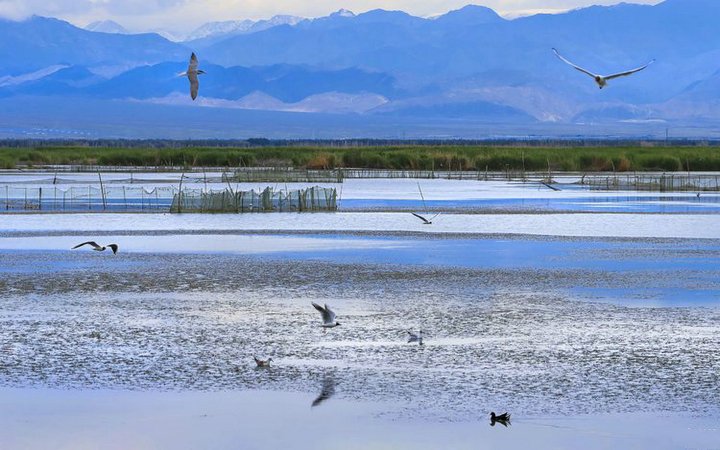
pixel 502 419
pixel 99 248
pixel 262 363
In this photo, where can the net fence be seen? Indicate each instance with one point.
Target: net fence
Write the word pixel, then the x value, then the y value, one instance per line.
pixel 162 199
pixel 268 200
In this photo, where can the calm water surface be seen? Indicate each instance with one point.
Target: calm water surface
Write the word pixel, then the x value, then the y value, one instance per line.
pixel 587 335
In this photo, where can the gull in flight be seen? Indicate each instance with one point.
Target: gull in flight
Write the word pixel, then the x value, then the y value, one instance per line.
pixel 502 419
pixel 328 390
pixel 425 221
pixel 412 337
pixel 262 363
pixel 192 74
pixel 601 80
pixel 99 248
pixel 328 316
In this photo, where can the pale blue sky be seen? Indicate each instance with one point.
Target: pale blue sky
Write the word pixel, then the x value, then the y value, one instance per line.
pixel 184 15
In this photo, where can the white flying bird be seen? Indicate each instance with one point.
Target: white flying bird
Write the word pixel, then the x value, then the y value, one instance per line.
pixel 99 248
pixel 328 316
pixel 192 74
pixel 601 80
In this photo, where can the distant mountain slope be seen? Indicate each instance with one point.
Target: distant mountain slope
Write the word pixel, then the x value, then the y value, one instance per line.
pixel 213 32
pixel 40 42
pixel 467 64
pixel 474 39
pixel 107 26
pixel 290 84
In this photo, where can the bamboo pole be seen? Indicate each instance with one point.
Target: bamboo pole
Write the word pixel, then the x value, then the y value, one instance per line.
pixel 102 191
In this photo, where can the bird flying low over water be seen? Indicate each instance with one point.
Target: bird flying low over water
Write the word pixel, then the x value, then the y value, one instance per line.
pixel 192 74
pixel 601 80
pixel 99 248
pixel 328 316
pixel 425 221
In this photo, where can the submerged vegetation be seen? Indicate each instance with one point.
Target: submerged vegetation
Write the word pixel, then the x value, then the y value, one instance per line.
pixel 412 157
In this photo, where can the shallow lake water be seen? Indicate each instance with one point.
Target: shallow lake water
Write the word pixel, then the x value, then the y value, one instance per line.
pixel 270 419
pixel 68 192
pixel 547 328
pixel 593 330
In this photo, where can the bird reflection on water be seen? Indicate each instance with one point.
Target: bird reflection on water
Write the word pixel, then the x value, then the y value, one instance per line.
pixel 412 337
pixel 328 390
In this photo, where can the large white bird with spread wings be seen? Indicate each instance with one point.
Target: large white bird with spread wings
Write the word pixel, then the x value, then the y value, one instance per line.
pixel 328 316
pixel 192 74
pixel 601 80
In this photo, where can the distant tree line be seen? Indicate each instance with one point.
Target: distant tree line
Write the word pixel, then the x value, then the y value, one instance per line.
pixel 348 143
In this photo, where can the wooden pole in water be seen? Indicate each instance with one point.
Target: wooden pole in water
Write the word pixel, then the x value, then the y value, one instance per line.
pixel 102 191
pixel 180 199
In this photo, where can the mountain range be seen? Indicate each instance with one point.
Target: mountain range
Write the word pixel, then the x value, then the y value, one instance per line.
pixel 468 65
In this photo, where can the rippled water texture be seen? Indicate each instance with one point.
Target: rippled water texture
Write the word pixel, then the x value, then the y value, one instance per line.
pixel 523 334
pixel 594 330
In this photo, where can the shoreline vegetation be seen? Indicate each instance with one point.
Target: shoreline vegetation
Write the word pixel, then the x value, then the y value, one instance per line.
pixel 427 157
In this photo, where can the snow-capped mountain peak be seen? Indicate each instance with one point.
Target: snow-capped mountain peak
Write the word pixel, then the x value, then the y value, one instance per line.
pixel 218 28
pixel 343 13
pixel 107 26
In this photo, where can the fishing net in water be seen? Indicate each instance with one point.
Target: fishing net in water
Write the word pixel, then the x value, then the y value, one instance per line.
pixel 269 200
pixel 162 199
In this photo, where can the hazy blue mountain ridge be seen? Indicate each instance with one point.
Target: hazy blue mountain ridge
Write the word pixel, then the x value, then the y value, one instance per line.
pixel 466 64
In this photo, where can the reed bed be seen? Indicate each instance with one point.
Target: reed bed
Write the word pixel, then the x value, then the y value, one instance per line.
pixel 410 158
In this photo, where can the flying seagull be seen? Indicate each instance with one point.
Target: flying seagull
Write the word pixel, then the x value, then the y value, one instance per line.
pixel 328 316
pixel 262 363
pixel 99 248
pixel 425 221
pixel 601 80
pixel 192 74
pixel 502 419
pixel 328 390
